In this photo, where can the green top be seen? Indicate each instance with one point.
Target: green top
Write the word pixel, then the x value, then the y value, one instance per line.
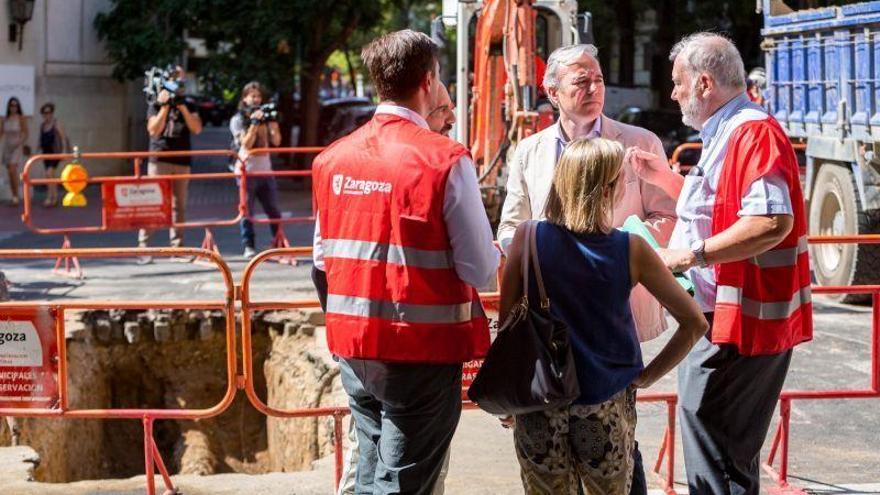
pixel 634 225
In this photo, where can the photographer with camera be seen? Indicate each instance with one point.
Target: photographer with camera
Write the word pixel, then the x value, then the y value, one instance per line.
pixel 170 123
pixel 255 126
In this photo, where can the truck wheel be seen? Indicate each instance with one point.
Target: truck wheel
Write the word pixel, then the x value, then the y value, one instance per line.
pixel 835 209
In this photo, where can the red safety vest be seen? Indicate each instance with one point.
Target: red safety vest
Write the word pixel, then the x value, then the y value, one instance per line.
pixel 393 293
pixel 763 304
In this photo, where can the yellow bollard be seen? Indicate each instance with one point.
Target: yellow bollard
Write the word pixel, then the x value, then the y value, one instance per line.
pixel 74 178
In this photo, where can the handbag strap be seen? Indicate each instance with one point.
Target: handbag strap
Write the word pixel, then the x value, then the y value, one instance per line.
pixel 530 253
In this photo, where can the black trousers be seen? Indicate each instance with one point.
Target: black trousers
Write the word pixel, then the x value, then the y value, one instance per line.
pixel 726 402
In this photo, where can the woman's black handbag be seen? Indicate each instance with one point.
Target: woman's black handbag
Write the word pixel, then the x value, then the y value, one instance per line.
pixel 529 366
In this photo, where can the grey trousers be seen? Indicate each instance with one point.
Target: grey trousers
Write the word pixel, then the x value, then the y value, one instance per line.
pixel 405 416
pixel 726 403
pixel 350 462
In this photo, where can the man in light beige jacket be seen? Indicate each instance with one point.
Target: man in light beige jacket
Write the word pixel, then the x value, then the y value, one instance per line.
pixel 575 85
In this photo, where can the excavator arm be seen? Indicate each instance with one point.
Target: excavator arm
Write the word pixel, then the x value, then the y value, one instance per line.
pixel 504 88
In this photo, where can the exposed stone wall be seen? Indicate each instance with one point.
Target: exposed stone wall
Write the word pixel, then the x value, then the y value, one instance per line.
pixel 300 375
pixel 127 359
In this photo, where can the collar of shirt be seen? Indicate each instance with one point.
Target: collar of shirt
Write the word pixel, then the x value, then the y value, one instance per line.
pixel 595 132
pixel 403 112
pixel 728 110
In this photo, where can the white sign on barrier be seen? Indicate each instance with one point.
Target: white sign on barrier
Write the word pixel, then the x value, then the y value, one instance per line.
pixel 148 194
pixel 20 344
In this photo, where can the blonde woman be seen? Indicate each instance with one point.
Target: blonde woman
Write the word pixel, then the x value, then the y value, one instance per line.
pixel 589 269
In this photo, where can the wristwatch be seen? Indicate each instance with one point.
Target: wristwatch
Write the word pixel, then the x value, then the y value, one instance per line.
pixel 698 247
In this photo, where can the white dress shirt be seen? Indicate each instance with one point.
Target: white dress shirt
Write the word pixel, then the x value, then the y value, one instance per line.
pixel 768 195
pixel 562 140
pixel 474 254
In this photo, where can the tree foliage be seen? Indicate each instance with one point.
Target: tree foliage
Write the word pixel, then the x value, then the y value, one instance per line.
pixel 141 33
pixel 273 41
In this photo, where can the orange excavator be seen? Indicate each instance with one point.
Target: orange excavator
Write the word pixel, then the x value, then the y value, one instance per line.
pixel 501 50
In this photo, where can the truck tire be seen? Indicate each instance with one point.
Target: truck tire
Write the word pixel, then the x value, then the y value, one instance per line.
pixel 835 209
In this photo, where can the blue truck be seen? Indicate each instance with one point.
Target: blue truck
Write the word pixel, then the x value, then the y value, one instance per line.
pixel 823 86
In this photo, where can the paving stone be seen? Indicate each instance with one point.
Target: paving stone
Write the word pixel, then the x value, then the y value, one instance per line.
pixel 178 331
pixel 78 330
pixel 314 317
pixel 133 332
pixel 162 331
pixel 117 330
pixel 103 330
pixel 4 288
pixel 290 329
pixel 206 329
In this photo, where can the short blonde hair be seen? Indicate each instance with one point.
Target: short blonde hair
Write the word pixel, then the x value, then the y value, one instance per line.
pixel 582 195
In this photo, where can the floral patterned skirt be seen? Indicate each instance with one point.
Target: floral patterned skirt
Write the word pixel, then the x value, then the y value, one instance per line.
pixel 591 445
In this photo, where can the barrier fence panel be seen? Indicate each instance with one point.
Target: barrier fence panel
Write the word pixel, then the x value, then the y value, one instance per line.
pixel 248 307
pixel 780 443
pixel 138 177
pixel 33 375
pixel 140 200
pixel 675 158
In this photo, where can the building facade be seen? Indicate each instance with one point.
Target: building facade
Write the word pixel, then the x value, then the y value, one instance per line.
pixel 62 61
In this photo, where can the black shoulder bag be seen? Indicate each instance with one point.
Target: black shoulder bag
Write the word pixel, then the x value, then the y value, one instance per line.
pixel 529 366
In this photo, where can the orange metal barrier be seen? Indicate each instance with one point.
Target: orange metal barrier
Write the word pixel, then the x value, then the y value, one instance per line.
pixel 781 438
pixel 138 174
pixel 241 176
pixel 153 459
pixel 675 159
pixel 248 307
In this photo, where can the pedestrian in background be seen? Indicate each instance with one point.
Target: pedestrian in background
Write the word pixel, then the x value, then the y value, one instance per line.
pixel 402 243
pixel 589 270
pixel 741 237
pixel 251 129
pixel 170 123
pixel 52 140
pixel 13 135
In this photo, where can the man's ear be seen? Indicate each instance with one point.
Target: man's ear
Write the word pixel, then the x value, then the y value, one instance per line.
pixel 428 81
pixel 553 96
pixel 706 84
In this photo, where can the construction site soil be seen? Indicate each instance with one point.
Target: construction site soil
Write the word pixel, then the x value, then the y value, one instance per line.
pixel 111 367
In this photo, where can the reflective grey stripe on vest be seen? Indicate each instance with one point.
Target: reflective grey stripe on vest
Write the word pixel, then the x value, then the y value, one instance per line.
pixel 410 313
pixel 766 310
pixel 781 257
pixel 389 253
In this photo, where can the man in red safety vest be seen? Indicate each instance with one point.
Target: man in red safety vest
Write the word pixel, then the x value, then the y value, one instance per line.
pixel 403 241
pixel 741 236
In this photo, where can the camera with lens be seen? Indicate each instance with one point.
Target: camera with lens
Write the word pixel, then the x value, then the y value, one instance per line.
pixel 157 78
pixel 270 113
